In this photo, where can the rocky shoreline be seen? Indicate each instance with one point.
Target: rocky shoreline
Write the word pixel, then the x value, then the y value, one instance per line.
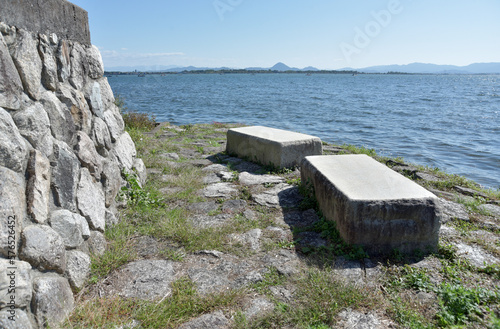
pixel 264 225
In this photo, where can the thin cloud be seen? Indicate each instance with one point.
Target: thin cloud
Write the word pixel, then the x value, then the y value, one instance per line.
pixel 160 54
pixel 126 58
pixel 117 54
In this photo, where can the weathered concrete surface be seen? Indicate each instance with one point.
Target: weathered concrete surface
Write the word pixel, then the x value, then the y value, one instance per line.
pixel 278 147
pixel 49 16
pixel 372 205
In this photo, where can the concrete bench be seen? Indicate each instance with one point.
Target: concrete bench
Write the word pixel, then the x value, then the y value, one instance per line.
pixel 372 205
pixel 265 145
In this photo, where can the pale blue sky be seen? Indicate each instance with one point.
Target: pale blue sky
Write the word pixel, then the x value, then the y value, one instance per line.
pixel 327 34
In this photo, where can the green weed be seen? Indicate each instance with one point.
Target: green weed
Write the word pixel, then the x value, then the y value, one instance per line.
pixel 411 278
pixel 474 205
pixel 459 305
pixel 199 149
pixel 493 270
pixel 293 181
pixel 352 149
pixel 136 195
pixel 448 252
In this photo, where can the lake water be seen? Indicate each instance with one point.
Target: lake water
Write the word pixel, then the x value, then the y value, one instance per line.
pixel 447 121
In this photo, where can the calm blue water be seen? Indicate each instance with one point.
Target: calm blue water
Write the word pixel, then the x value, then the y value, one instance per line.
pixel 447 121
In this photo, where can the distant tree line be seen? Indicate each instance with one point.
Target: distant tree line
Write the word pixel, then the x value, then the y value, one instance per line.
pixel 233 71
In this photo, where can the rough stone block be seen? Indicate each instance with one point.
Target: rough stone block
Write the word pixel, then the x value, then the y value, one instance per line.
pixel 11 85
pixel 278 147
pixel 38 187
pixel 28 63
pixel 77 268
pixel 91 201
pixel 13 148
pixel 372 205
pixel 65 175
pixel 43 248
pixel 125 151
pixel 72 227
pixel 52 300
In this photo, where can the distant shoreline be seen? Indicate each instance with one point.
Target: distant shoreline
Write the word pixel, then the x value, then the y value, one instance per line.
pixel 251 72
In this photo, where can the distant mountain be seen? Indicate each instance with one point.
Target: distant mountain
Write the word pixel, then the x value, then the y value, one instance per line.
pixel 475 68
pixel 484 67
pixel 310 68
pixel 281 67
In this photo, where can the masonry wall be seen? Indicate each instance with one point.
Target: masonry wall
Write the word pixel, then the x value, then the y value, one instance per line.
pixel 62 151
pixel 61 17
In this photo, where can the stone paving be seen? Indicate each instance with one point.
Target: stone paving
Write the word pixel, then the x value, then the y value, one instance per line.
pixel 235 189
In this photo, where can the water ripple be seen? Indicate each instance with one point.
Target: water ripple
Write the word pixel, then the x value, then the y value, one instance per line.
pixel 448 121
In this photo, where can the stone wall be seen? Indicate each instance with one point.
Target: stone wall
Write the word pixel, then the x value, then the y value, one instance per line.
pixel 68 21
pixel 62 151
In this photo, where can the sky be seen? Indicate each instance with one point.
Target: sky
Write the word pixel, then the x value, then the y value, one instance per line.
pixel 326 34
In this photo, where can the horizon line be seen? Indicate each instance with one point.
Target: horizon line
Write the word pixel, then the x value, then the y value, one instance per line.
pixel 247 67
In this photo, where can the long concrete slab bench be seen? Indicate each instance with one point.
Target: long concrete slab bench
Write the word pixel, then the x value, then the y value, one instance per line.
pixel 372 205
pixel 278 147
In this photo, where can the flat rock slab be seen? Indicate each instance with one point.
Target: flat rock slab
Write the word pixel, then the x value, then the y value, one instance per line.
pixel 265 145
pixel 145 279
pixel 205 221
pixel 476 255
pixel 215 320
pixel 219 190
pixel 281 195
pixel 452 210
pixel 246 178
pixel 491 209
pixel 258 307
pixel 350 319
pixel 214 272
pixel 251 239
pixel 372 205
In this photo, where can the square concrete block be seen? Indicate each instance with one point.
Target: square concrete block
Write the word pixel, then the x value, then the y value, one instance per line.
pixel 372 205
pixel 265 145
